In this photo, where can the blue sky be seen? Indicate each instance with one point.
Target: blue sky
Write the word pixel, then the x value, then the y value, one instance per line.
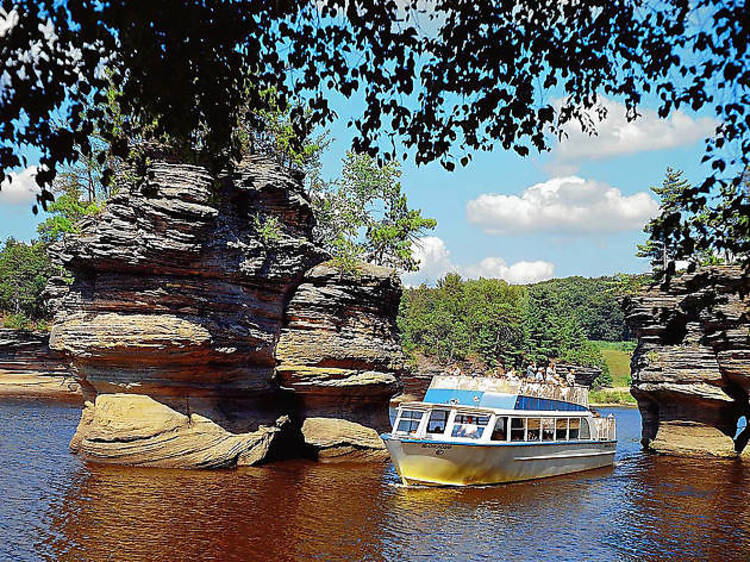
pixel 578 210
pixel 578 227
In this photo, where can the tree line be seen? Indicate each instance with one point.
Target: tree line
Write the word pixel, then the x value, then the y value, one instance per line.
pixel 487 324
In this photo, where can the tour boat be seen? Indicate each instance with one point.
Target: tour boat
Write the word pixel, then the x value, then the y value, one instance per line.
pixel 481 430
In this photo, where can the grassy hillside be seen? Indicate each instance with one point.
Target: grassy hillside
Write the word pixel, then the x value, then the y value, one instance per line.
pixel 617 355
pixel 619 366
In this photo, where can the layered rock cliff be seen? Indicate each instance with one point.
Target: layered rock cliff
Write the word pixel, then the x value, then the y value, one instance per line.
pixel 30 369
pixel 691 368
pixel 182 287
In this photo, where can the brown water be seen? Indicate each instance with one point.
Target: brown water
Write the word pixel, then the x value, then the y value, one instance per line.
pixel 56 508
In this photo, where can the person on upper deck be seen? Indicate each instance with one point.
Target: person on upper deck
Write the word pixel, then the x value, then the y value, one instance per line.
pixel 570 378
pixel 531 371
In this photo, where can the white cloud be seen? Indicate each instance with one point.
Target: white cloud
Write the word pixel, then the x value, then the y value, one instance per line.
pixel 435 261
pixel 562 205
pixel 616 136
pixel 433 257
pixel 22 190
pixel 518 273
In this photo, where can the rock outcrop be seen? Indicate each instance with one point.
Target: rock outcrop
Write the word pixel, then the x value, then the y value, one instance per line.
pixel 137 430
pixel 339 345
pixel 584 376
pixel 182 287
pixel 691 368
pixel 30 369
pixel 334 439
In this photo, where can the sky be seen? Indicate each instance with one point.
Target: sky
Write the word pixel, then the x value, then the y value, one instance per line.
pixel 577 210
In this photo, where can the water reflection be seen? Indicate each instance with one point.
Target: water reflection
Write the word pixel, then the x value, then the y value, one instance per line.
pixel 646 507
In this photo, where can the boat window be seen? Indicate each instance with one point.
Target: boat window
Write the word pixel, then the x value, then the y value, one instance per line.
pixel 468 425
pixel 438 421
pixel 585 433
pixel 500 433
pixel 533 429
pixel 548 429
pixel 575 424
pixel 561 429
pixel 517 429
pixel 409 421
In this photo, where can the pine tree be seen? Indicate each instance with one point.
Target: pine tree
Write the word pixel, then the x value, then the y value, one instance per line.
pixel 662 229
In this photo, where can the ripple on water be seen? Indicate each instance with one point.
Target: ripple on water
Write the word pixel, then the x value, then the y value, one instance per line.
pixel 56 508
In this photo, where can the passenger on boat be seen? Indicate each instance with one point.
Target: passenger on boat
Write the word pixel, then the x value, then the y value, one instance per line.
pixel 540 375
pixel 470 429
pixel 531 371
pixel 571 378
pixel 498 434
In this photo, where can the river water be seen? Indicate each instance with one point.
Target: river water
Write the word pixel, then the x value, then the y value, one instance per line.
pixel 53 507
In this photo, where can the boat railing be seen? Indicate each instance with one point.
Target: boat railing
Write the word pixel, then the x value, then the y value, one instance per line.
pixel 606 429
pixel 575 394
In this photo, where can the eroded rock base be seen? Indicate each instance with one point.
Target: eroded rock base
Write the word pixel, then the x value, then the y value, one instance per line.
pixel 336 440
pixel 136 430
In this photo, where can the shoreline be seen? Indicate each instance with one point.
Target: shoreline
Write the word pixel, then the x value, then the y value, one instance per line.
pixel 611 405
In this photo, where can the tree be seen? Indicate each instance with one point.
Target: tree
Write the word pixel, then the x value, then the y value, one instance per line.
pixel 439 82
pixel 661 246
pixel 716 232
pixel 66 211
pixel 493 323
pixel 363 215
pixel 24 272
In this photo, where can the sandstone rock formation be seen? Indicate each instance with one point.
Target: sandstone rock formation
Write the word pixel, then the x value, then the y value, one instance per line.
pixel 180 295
pixel 338 348
pixel 29 368
pixel 691 368
pixel 335 439
pixel 137 430
pixel 585 376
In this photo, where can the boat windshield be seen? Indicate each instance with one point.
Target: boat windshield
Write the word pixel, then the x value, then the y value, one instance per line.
pixel 438 422
pixel 471 426
pixel 409 421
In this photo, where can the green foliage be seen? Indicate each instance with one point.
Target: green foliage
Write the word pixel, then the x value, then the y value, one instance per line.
pixel 24 272
pixel 662 244
pixel 612 396
pixel 710 233
pixel 268 228
pixel 281 130
pixel 553 332
pixel 592 302
pixel 623 346
pixel 363 215
pixel 494 322
pixel 459 319
pixel 66 212
pixel 18 321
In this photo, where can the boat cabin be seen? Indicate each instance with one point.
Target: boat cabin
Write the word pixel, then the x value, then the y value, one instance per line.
pixel 487 411
pixel 420 421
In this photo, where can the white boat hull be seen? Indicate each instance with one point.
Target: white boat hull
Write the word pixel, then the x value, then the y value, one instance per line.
pixel 442 463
